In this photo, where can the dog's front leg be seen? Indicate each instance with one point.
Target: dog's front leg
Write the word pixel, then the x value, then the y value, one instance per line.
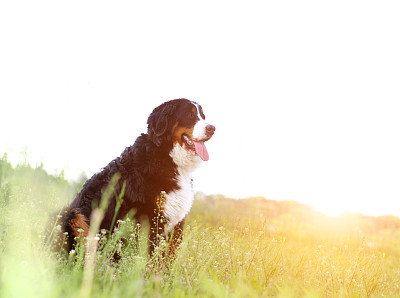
pixel 175 239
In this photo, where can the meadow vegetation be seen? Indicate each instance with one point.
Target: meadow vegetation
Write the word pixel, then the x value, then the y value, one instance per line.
pixel 231 248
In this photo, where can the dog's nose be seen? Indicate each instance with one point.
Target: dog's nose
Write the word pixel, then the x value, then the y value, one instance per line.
pixel 210 129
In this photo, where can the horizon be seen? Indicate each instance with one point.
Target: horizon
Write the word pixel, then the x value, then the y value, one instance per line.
pixel 24 161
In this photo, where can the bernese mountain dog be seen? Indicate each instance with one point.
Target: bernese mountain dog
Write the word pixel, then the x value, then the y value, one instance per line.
pixel 159 164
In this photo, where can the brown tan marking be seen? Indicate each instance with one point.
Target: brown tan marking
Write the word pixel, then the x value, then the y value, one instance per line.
pixel 79 222
pixel 179 131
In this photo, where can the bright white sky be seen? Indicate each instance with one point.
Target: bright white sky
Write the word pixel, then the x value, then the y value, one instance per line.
pixel 305 95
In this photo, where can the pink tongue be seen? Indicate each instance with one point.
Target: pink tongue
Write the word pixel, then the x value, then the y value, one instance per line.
pixel 201 150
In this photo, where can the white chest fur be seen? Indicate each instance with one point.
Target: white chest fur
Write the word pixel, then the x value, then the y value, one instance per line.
pixel 179 202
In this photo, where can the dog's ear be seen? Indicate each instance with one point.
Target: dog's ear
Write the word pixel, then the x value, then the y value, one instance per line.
pixel 160 123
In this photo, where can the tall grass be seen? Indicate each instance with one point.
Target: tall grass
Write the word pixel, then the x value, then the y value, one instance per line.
pixel 247 248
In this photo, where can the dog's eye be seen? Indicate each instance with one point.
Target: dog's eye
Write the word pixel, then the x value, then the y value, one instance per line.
pixel 191 115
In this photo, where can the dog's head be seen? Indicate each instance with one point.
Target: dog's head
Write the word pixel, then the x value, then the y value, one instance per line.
pixel 180 121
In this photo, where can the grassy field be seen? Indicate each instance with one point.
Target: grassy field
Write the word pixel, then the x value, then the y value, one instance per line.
pixel 231 248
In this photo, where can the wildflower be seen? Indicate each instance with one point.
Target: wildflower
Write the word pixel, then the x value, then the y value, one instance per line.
pixel 80 231
pixel 58 228
pixel 72 252
pixel 40 236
